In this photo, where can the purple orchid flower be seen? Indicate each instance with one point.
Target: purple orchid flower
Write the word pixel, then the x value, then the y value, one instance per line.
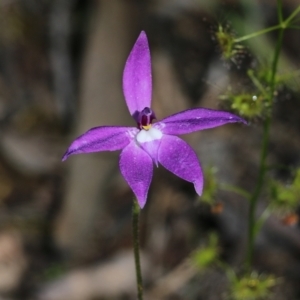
pixel 150 143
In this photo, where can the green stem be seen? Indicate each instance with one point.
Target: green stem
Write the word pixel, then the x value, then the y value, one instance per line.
pixel 257 33
pixel 136 246
pixel 282 24
pixel 263 157
pixel 255 195
pixel 292 15
pixel 275 63
pixel 256 82
pixel 279 11
pixel 234 189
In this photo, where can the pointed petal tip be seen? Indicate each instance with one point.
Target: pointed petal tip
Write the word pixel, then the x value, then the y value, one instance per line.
pixel 241 120
pixel 141 202
pixel 232 118
pixel 137 77
pixel 142 40
pixel 142 34
pixel 136 166
pixel 65 156
pixel 199 187
pixel 68 153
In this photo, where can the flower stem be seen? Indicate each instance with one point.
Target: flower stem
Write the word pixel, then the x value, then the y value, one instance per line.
pixel 279 11
pixel 235 189
pixel 257 33
pixel 264 150
pixel 283 24
pixel 293 15
pixel 255 195
pixel 136 246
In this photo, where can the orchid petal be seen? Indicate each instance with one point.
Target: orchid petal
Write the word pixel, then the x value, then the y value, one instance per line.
pixel 103 138
pixel 149 140
pixel 137 81
pixel 196 119
pixel 152 149
pixel 137 168
pixel 179 158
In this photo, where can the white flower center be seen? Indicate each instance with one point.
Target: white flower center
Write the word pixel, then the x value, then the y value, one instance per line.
pixel 150 135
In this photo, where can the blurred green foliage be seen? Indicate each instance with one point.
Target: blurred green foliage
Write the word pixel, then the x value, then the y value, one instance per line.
pixel 285 197
pixel 247 104
pixel 229 48
pixel 225 40
pixel 54 271
pixel 251 286
pixel 210 187
pixel 207 255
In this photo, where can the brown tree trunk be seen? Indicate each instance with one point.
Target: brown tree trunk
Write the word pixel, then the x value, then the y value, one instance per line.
pixel 113 31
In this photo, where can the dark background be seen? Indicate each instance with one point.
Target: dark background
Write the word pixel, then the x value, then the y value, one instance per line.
pixel 65 228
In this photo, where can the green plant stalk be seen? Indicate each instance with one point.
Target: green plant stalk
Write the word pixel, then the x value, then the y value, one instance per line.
pixel 255 195
pixel 257 33
pixel 136 247
pixel 264 152
pixel 282 24
pixel 279 11
pixel 292 15
pixel 235 189
pixel 256 82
